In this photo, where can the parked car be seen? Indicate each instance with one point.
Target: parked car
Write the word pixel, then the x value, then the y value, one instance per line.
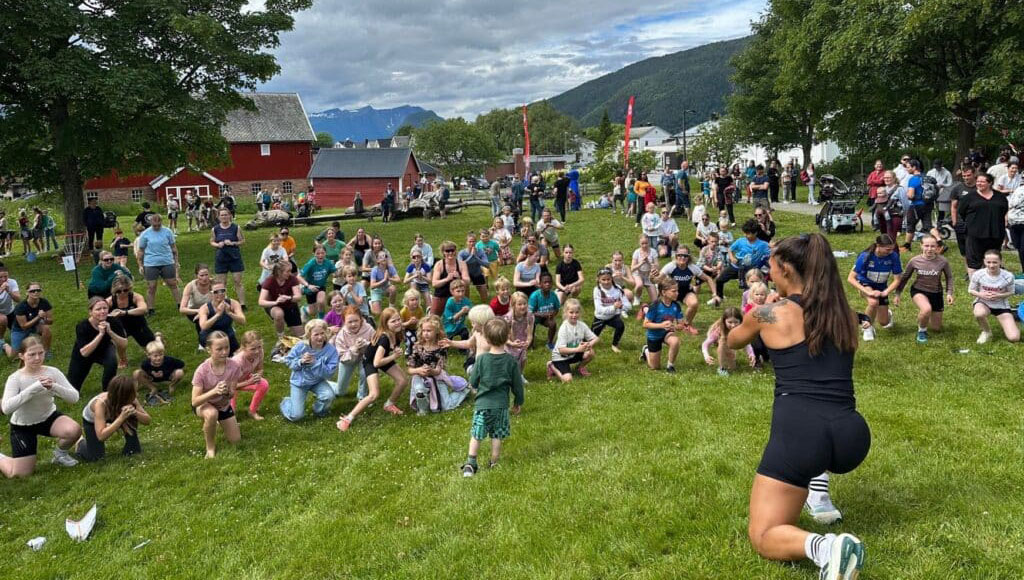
pixel 474 183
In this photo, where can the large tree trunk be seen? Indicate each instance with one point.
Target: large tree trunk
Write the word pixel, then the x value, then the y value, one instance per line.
pixel 966 134
pixel 68 168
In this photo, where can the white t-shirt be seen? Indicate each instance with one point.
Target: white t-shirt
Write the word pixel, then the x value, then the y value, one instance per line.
pixel 705 230
pixel 570 336
pixel 941 176
pixel 998 170
pixel 281 254
pixel 1008 183
pixel 6 300
pixel 697 213
pixel 669 227
pixel 981 280
pixel 645 264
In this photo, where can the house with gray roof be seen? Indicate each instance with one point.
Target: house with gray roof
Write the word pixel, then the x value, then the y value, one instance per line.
pixel 339 173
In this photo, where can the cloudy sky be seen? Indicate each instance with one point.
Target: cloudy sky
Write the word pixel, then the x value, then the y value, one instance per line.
pixel 466 57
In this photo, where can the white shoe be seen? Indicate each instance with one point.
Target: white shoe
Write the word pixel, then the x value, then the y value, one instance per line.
pixel 525 382
pixel 824 512
pixel 892 322
pixel 869 334
pixel 62 457
pixel 984 337
pixel 304 314
pixel 846 559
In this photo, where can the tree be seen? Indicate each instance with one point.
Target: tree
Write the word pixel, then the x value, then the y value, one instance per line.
pixel 717 144
pixel 604 129
pixel 551 131
pixel 137 86
pixel 405 130
pixel 504 127
pixel 455 147
pixel 324 140
pixel 948 67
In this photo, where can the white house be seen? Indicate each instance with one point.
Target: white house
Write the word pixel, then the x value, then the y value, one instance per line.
pixel 645 136
pixel 823 152
pixel 586 151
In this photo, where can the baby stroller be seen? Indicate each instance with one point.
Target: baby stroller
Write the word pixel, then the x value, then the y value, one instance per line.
pixel 839 212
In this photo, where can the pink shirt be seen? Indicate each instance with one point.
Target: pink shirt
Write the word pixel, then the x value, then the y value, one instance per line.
pixel 206 379
pixel 247 366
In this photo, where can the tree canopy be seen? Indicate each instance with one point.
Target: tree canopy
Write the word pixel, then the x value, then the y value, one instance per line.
pixel 551 131
pixel 455 147
pixel 324 140
pixel 133 85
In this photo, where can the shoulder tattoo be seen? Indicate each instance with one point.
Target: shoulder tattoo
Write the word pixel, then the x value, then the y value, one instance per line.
pixel 766 314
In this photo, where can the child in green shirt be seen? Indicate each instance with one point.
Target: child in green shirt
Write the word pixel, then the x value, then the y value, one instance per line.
pixel 495 374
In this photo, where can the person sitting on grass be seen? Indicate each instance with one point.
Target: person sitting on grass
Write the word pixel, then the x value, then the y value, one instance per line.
pixel 29 402
pixel 316 278
pixel 213 386
pixel 158 370
pixel 433 389
pixel 117 409
pixel 568 275
pixel 250 358
pixel 926 291
pixel 544 305
pixel 494 376
pixel 574 345
pixel 669 234
pixel 991 287
pixel 313 362
pixel 717 335
pixel 380 358
pixel 662 320
pixel 455 311
pixel 33 316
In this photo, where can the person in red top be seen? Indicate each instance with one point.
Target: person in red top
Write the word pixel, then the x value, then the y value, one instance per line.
pixel 875 180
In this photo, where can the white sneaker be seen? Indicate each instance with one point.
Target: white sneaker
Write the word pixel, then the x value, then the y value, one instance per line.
pixel 304 314
pixel 984 337
pixel 846 559
pixel 824 512
pixel 62 457
pixel 711 302
pixel 892 322
pixel 869 334
pixel 525 382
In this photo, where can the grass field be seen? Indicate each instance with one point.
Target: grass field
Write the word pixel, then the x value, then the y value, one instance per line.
pixel 627 474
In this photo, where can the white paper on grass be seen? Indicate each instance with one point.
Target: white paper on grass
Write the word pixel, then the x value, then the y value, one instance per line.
pixel 69 263
pixel 37 543
pixel 81 529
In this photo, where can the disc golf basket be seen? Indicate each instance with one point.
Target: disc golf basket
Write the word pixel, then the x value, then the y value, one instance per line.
pixel 72 247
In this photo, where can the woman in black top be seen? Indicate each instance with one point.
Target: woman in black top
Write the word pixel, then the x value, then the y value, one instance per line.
pixel 725 191
pixel 127 316
pixel 765 223
pixel 446 270
pixel 811 335
pixel 774 178
pixel 359 243
pixel 220 313
pixel 95 343
pixel 983 212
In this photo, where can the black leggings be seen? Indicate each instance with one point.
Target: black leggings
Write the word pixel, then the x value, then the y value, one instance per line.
pixel 92 449
pixel 80 366
pixel 560 206
pixel 729 273
pixel 809 437
pixel 615 322
pixel 1017 239
pixel 93 235
pixel 727 207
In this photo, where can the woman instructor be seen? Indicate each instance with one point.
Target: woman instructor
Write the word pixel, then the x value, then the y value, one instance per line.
pixel 811 335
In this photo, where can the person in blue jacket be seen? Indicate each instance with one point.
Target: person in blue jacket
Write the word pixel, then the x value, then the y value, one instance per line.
pixel 574 187
pixel 313 362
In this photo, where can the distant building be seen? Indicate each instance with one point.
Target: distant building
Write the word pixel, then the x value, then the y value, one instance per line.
pixel 271 147
pixel 517 164
pixel 586 151
pixel 821 152
pixel 337 174
pixel 643 137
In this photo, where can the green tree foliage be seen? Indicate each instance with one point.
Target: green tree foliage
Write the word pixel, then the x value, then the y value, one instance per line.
pixel 551 131
pixel 642 161
pixel 604 129
pixel 324 140
pixel 455 147
pixel 137 86
pixel 405 130
pixel 718 144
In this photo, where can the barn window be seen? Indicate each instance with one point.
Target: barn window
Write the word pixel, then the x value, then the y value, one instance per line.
pixel 223 188
pixel 286 187
pixel 92 195
pixel 255 188
pixel 265 149
pixel 136 195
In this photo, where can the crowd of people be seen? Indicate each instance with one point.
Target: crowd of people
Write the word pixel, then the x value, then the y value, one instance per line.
pixel 340 312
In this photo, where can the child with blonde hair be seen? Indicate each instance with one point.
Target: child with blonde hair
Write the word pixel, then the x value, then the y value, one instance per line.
pixel 718 332
pixel 503 292
pixel 490 249
pixel 753 276
pixel 478 317
pixel 381 358
pixel 610 306
pixel 159 370
pixel 352 342
pixel 574 344
pixel 520 321
pixel 250 358
pixel 411 313
pixel 313 362
pixel 213 386
pixel 433 389
pixel 345 261
pixel 757 295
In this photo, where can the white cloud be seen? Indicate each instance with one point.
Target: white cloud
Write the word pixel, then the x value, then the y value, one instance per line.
pixel 465 57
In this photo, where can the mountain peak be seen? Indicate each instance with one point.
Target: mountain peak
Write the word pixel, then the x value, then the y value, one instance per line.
pixel 368 123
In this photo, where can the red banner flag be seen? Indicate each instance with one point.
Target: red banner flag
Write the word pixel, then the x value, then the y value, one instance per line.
pixel 526 149
pixel 629 124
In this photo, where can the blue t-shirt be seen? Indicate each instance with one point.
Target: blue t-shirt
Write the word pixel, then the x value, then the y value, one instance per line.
pixel 750 254
pixel 544 305
pixel 451 308
pixel 915 183
pixel 317 274
pixel 657 313
pixel 157 246
pixel 875 272
pixel 758 180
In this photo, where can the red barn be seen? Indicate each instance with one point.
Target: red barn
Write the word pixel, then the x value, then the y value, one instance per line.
pixel 270 147
pixel 337 174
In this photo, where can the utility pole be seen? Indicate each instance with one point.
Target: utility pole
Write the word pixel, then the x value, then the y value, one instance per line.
pixel 685 111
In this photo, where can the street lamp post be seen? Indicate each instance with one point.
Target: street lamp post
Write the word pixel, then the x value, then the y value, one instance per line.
pixel 685 111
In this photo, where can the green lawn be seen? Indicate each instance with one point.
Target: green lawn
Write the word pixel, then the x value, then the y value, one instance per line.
pixel 629 473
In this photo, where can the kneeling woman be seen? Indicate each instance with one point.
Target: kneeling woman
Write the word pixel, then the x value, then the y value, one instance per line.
pixel 127 316
pixel 118 409
pixel 213 386
pixel 28 400
pixel 811 334
pixel 96 342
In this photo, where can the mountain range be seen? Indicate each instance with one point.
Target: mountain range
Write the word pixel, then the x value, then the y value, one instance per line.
pixel 369 123
pixel 664 86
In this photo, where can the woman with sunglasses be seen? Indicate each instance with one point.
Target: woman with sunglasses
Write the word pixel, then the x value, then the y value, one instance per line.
pixel 103 275
pixel 219 314
pixel 446 270
pixel 128 318
pixel 33 316
pixel 289 245
pixel 766 224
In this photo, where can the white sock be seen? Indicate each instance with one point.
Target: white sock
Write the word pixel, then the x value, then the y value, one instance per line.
pixel 818 548
pixel 922 329
pixel 389 402
pixel 818 489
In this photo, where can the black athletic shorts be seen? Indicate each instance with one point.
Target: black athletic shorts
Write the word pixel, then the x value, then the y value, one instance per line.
pixel 918 214
pixel 654 345
pixel 563 365
pixel 934 298
pixel 222 414
pixel 227 264
pixel 478 280
pixel 1000 311
pixel 24 438
pixel 291 315
pixel 809 437
pixel 370 369
pixel 976 248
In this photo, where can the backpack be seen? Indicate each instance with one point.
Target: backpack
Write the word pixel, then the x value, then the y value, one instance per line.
pixel 804 178
pixel 894 207
pixel 929 189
